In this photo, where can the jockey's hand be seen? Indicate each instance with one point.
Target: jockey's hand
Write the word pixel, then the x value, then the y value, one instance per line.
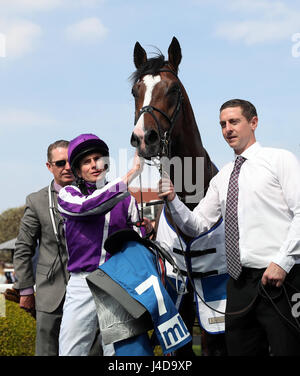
pixel 166 189
pixel 274 275
pixel 138 163
pixel 137 168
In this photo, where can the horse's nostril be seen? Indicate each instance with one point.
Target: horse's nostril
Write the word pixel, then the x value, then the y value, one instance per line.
pixel 151 137
pixel 135 141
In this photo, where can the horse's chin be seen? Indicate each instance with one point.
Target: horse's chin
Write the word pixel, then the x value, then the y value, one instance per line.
pixel 149 152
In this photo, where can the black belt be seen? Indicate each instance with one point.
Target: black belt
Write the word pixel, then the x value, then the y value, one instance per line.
pixel 194 253
pixel 199 274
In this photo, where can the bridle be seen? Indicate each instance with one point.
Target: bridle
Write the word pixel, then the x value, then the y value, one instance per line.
pixel 164 136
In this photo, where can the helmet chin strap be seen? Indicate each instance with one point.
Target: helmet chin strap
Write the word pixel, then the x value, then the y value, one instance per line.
pixel 101 182
pixel 82 183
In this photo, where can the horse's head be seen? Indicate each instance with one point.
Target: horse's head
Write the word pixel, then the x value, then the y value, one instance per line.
pixel 158 96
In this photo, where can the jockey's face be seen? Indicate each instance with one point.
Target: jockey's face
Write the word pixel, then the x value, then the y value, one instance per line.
pixel 237 131
pixel 92 168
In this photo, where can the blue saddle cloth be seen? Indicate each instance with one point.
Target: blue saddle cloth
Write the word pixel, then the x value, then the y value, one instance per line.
pixel 134 268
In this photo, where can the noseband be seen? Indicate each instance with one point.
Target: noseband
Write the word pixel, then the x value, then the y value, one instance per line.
pixel 165 137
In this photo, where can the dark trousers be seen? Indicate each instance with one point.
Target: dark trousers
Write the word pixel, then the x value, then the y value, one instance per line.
pixel 47 332
pixel 261 331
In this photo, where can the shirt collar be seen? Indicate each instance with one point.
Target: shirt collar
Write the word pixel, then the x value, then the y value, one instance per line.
pixel 251 151
pixel 101 183
pixel 56 186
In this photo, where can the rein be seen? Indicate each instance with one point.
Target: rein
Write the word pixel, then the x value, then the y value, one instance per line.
pixel 165 138
pixel 261 289
pixel 191 278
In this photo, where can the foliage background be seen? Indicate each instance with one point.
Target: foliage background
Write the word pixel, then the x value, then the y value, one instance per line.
pixel 9 227
pixel 17 332
pixel 10 222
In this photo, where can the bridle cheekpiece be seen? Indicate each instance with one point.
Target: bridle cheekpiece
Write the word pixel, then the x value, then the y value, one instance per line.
pixel 164 136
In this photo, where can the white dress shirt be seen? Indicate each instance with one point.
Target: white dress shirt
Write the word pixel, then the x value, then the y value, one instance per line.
pixel 268 207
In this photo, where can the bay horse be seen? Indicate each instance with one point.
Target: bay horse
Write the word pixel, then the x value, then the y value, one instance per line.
pixel 165 125
pixel 166 113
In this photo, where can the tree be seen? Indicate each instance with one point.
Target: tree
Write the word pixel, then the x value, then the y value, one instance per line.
pixel 10 222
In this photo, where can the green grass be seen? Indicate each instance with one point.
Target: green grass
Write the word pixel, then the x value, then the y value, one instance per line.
pixel 17 332
pixel 197 350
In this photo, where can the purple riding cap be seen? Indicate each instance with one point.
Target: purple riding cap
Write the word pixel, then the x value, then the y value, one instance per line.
pixel 84 144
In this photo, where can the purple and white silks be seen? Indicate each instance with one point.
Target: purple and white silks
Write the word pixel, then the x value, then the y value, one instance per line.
pixel 90 219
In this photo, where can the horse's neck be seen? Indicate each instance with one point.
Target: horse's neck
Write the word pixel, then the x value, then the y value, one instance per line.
pixel 188 144
pixel 188 141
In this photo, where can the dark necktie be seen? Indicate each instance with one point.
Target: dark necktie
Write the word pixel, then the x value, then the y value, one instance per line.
pixel 231 222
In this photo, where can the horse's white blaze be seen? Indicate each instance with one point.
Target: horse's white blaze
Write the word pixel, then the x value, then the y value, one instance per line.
pixel 150 82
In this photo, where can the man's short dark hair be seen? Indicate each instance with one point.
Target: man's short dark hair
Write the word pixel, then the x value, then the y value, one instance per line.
pixel 56 144
pixel 248 110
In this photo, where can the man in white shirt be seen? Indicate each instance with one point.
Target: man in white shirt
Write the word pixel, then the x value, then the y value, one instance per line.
pixel 260 202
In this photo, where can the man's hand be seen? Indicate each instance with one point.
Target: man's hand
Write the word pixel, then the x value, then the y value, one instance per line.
pixel 274 275
pixel 166 189
pixel 148 225
pixel 27 302
pixel 12 294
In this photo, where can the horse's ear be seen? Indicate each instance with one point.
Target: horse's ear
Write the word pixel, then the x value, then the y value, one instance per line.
pixel 174 52
pixel 139 55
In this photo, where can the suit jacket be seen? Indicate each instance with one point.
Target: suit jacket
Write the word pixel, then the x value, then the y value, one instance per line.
pixel 36 229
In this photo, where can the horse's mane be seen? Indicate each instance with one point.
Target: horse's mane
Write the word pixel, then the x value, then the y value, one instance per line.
pixel 152 66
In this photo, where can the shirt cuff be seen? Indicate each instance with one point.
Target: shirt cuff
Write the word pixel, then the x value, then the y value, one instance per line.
pixel 122 186
pixel 284 261
pixel 175 204
pixel 28 291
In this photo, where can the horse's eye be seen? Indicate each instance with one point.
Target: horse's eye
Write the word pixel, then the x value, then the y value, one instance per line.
pixel 172 95
pixel 173 90
pixel 134 93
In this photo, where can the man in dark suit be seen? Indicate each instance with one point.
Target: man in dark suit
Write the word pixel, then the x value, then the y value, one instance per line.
pixel 41 226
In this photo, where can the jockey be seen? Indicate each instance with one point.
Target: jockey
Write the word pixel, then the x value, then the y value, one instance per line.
pixel 93 209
